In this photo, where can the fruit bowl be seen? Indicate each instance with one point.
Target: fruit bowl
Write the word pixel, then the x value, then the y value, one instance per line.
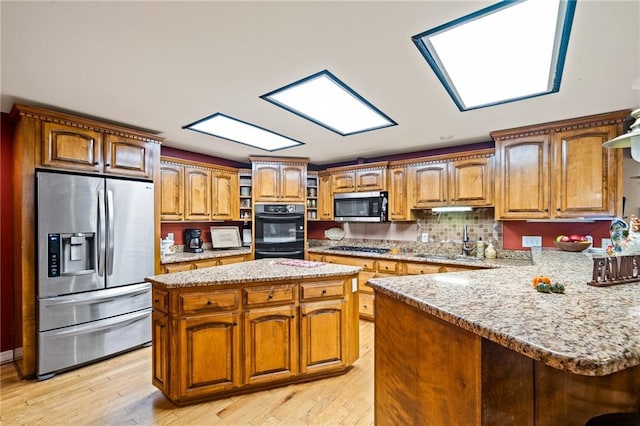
pixel 572 245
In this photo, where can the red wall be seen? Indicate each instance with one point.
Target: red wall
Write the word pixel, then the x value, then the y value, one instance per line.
pixel 6 233
pixel 514 230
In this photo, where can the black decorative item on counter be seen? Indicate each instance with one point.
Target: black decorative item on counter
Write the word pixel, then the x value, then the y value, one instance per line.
pixel 192 240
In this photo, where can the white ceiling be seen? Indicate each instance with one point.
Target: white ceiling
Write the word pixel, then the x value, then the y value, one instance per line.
pixel 161 65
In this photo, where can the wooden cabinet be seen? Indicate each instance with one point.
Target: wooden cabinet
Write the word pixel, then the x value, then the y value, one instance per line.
pixel 212 342
pixel 560 169
pixel 279 179
pixel 399 208
pixel 224 198
pixel 73 147
pixel 462 179
pixel 204 263
pixel 360 178
pixel 325 197
pixel 172 191
pixel 197 189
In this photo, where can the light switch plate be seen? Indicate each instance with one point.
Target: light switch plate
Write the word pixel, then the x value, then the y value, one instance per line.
pixel 605 242
pixel 425 237
pixel 531 241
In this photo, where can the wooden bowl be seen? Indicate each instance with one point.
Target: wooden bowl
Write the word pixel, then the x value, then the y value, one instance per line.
pixel 572 245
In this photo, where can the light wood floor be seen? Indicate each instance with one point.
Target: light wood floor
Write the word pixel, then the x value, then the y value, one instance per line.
pixel 118 391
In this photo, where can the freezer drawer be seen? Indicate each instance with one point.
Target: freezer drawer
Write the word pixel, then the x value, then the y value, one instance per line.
pixel 71 346
pixel 74 309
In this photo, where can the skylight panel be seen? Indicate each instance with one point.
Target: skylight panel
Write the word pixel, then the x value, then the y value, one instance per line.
pixel 232 129
pixel 325 100
pixel 506 52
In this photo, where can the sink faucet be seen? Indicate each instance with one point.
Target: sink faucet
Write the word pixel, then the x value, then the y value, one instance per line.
pixel 467 248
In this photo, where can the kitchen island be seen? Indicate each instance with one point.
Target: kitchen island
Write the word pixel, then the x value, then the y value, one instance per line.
pixel 485 348
pixel 248 326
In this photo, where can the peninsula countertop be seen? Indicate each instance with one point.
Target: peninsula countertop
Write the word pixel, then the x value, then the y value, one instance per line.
pixel 588 330
pixel 263 270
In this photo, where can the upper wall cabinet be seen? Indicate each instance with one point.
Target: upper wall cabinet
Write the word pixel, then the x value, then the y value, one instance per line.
pixel 359 178
pixel 560 169
pixel 325 197
pixel 198 191
pixel 280 180
pixel 459 179
pixel 78 144
pixel 398 202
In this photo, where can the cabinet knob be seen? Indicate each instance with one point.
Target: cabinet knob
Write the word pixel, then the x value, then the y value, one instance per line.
pixel 209 302
pixel 293 316
pixel 234 323
pixel 546 210
pixel 156 300
pixel 324 291
pixel 95 163
pixel 270 295
pixel 107 164
pixel 558 209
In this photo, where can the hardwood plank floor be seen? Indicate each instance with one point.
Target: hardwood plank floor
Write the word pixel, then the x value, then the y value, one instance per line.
pixel 118 391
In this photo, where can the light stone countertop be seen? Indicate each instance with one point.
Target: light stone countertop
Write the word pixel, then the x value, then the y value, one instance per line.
pixel 588 330
pixel 185 256
pixel 263 270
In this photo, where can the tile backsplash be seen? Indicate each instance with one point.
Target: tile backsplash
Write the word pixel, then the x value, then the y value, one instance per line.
pixel 443 228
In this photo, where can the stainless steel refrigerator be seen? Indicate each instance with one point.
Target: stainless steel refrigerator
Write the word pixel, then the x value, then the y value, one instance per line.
pixel 95 247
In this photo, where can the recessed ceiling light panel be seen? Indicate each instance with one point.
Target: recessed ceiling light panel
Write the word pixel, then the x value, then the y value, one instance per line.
pixel 509 51
pixel 232 129
pixel 327 101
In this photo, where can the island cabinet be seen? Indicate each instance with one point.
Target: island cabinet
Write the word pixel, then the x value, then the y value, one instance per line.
pixel 359 178
pixel 213 341
pixel 459 179
pixel 193 191
pixel 559 169
pixel 279 179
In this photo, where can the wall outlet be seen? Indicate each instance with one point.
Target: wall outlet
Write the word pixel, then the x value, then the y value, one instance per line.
pixel 531 241
pixel 605 242
pixel 425 237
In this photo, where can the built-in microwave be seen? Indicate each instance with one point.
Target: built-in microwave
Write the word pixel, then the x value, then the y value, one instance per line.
pixel 361 206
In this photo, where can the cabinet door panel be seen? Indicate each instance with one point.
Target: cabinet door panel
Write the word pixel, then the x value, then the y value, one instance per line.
pixel 371 180
pixel 160 338
pixel 583 181
pixel 71 147
pixel 271 344
pixel 171 189
pixel 197 193
pixel 325 198
pixel 344 182
pixel 470 182
pixel 224 196
pixel 292 181
pixel 523 178
pixel 210 350
pixel 430 185
pixel 266 182
pixel 322 338
pixel 398 200
pixel 128 156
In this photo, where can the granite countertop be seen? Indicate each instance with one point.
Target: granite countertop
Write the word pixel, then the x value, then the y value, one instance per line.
pixel 588 330
pixel 263 270
pixel 519 259
pixel 185 256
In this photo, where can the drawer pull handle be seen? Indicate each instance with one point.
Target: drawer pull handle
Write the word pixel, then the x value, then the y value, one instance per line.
pixel 270 295
pixel 209 302
pixel 324 291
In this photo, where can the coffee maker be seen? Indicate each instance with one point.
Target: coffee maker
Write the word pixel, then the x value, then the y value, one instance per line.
pixel 192 240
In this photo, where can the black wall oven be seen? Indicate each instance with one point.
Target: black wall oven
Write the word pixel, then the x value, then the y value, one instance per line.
pixel 279 231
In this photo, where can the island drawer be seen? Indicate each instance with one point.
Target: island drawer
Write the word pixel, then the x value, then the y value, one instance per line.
pixel 322 289
pixel 220 300
pixel 365 264
pixel 423 268
pixel 269 295
pixel 160 300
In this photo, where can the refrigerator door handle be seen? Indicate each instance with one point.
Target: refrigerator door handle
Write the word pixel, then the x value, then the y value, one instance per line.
pixel 111 228
pixel 101 232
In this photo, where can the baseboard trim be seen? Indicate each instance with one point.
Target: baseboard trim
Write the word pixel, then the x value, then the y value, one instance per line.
pixel 6 356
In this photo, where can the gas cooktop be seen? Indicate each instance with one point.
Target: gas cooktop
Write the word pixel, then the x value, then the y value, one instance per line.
pixel 360 248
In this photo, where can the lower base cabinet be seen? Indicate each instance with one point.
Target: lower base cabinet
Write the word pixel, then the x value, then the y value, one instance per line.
pixel 215 341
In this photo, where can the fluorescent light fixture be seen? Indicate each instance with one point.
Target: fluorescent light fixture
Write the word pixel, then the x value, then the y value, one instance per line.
pixel 510 51
pixel 232 129
pixel 451 209
pixel 631 139
pixel 327 101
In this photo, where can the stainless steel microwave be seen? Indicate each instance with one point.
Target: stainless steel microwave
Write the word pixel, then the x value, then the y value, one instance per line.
pixel 361 206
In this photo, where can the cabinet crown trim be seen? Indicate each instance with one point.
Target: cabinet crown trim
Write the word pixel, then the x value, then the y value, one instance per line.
pixel 280 160
pixel 196 164
pixel 462 155
pixel 80 122
pixel 367 166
